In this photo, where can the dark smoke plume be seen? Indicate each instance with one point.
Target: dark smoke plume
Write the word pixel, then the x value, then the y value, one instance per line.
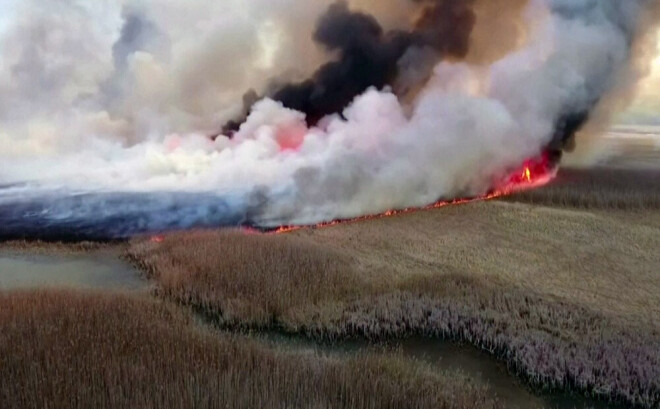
pixel 368 56
pixel 69 170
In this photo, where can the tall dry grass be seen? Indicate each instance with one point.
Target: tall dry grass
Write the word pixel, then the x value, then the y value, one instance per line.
pixel 255 280
pixel 604 188
pixel 552 344
pixel 247 278
pixel 71 350
pixel 42 247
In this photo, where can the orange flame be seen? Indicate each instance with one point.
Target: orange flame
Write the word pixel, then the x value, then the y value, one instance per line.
pixel 535 173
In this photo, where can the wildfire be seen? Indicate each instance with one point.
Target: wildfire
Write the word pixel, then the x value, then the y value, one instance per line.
pixel 534 173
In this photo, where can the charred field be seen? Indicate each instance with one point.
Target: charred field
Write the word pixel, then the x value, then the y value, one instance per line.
pixel 561 284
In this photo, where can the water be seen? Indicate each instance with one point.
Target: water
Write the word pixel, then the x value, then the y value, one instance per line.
pixel 481 367
pixel 485 368
pixel 103 270
pixel 96 270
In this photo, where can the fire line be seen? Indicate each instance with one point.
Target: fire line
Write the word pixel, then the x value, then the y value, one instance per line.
pixel 534 174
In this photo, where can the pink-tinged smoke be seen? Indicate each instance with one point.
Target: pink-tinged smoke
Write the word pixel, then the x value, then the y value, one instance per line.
pixel 110 112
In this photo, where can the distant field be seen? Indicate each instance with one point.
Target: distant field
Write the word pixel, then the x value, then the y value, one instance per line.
pixel 566 291
pixel 561 283
pixel 628 147
pixel 599 189
pixel 64 350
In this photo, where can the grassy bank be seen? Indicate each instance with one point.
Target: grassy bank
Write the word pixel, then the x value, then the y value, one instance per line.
pixel 568 299
pixel 58 248
pixel 71 350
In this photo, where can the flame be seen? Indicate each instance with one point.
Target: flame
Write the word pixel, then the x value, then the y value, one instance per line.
pixel 533 174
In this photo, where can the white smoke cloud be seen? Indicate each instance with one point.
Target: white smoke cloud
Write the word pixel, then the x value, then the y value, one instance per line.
pixel 646 105
pixel 176 66
pixel 81 117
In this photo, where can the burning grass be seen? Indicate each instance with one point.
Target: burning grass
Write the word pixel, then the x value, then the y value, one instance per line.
pixel 70 350
pixel 605 188
pixel 568 299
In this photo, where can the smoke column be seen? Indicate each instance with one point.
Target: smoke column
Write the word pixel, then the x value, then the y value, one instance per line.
pixel 105 121
pixel 371 57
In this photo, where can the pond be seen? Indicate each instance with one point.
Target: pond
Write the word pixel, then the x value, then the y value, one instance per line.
pixel 95 270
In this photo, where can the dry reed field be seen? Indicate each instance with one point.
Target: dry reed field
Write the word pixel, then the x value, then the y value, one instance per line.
pixel 47 248
pixel 250 279
pixel 72 350
pixel 600 189
pixel 552 344
pixel 568 296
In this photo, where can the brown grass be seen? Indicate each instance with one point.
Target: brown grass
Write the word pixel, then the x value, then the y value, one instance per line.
pixel 47 248
pixel 568 298
pixel 69 350
pixel 551 344
pixel 591 259
pixel 605 188
pixel 248 278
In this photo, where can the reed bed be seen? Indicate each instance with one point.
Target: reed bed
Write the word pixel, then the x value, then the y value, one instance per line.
pixel 247 278
pixel 42 247
pixel 553 344
pixel 604 188
pixel 74 350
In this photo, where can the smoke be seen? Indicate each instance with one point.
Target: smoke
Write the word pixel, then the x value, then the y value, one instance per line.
pixel 104 128
pixel 370 57
pixel 500 30
pixel 628 99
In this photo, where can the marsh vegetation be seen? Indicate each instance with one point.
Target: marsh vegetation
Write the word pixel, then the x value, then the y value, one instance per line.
pixel 70 350
pixel 604 188
pixel 566 296
pixel 552 343
pixel 560 284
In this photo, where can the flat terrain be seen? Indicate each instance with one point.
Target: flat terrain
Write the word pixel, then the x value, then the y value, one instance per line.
pixel 569 241
pixel 631 147
pixel 70 350
pixel 585 257
pixel 562 283
pixel 99 270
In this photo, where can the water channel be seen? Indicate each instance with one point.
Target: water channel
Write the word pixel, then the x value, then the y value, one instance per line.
pixel 103 270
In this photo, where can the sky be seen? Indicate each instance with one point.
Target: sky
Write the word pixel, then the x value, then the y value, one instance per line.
pixel 645 109
pixel 6 7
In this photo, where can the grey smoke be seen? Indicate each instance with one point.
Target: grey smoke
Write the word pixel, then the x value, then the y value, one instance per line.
pixel 70 154
pixel 138 34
